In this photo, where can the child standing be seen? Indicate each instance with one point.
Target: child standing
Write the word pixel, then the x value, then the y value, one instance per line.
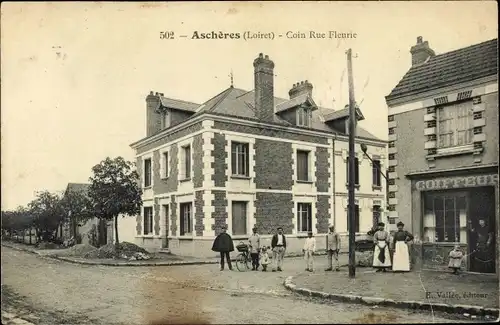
pixel 309 249
pixel 264 258
pixel 456 256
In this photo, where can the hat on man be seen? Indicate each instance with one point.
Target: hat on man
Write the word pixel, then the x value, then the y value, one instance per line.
pixel 331 227
pixel 400 224
pixel 279 228
pixel 381 224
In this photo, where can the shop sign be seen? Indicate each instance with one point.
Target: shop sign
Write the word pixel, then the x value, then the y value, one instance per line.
pixel 457 182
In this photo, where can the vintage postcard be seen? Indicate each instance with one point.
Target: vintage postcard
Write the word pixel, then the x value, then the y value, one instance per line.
pixel 249 162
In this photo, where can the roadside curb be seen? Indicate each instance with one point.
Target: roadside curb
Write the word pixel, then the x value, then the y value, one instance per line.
pixel 124 263
pixel 415 305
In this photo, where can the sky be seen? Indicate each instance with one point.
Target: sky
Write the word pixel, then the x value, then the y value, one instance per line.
pixel 75 75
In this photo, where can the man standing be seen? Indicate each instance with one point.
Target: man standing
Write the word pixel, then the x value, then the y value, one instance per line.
pixel 254 243
pixel 482 239
pixel 309 249
pixel 223 244
pixel 278 245
pixel 332 249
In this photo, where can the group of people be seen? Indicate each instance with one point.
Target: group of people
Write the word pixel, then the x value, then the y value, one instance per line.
pixel 259 254
pixel 381 253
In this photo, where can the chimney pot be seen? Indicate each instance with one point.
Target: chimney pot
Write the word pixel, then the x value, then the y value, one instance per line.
pixel 264 87
pixel 420 52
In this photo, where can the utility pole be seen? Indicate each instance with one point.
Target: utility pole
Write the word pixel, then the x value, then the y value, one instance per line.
pixel 352 168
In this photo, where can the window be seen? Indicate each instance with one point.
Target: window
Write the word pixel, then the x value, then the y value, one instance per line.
pixel 376 170
pixel 304 217
pixel 239 159
pixel 303 165
pixel 239 217
pixel 356 218
pixel 455 125
pixel 356 171
pixel 186 218
pixel 166 214
pixel 148 220
pixel 187 161
pixel 165 120
pixel 165 164
pixel 147 172
pixel 376 215
pixel 444 216
pixel 304 116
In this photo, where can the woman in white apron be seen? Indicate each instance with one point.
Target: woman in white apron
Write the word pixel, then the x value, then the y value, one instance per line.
pixel 381 257
pixel 401 255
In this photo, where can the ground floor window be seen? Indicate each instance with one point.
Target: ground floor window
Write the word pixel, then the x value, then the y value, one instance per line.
pixel 304 217
pixel 445 217
pixel 239 217
pixel 186 218
pixel 148 220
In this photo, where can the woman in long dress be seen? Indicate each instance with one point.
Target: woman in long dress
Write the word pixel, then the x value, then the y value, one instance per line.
pixel 401 255
pixel 381 257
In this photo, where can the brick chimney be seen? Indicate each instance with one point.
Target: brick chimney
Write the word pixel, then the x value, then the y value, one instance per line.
pixel 303 87
pixel 153 118
pixel 264 87
pixel 420 52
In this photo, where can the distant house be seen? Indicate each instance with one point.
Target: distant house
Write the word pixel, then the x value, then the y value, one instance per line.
pixel 443 151
pixel 247 159
pixel 84 229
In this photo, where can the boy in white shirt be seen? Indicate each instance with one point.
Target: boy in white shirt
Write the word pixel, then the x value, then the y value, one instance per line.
pixel 309 249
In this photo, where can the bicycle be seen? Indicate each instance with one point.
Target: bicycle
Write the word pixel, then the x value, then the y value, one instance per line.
pixel 243 257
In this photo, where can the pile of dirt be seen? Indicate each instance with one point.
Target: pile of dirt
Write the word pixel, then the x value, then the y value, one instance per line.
pixel 78 250
pixel 125 250
pixel 47 245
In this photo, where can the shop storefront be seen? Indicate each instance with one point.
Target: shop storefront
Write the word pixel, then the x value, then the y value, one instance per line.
pixel 463 210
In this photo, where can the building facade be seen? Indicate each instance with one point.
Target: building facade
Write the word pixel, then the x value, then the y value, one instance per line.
pixel 443 153
pixel 248 158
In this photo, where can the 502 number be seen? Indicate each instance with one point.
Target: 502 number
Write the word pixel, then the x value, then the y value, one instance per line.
pixel 166 35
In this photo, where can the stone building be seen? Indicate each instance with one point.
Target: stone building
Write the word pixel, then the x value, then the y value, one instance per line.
pixel 443 151
pixel 248 158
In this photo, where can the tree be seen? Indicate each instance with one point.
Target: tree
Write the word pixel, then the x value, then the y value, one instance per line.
pixel 48 214
pixel 77 207
pixel 114 190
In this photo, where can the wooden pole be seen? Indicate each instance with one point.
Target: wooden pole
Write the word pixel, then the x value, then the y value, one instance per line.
pixel 352 169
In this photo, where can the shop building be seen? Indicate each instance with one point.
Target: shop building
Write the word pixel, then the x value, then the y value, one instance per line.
pixel 443 154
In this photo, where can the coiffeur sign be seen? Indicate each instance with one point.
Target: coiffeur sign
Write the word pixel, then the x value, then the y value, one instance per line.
pixel 457 182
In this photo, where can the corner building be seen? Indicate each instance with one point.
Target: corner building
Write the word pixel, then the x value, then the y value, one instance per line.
pixel 248 158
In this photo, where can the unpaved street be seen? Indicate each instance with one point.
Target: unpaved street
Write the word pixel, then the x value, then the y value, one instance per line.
pixel 58 292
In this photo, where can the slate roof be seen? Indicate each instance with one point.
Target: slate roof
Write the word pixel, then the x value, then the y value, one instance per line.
pixel 343 113
pixel 462 65
pixel 240 103
pixel 178 104
pixel 301 99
